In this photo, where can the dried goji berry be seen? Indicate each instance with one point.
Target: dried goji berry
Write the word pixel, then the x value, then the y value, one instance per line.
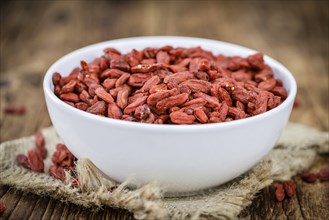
pixel 279 192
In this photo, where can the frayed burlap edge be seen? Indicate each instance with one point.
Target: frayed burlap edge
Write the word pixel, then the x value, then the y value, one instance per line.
pixel 222 202
pixel 93 191
pixel 294 152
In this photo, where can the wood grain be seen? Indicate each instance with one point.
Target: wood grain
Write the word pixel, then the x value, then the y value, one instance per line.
pixel 36 33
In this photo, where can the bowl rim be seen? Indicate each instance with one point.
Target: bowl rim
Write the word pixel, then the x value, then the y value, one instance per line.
pixel 170 127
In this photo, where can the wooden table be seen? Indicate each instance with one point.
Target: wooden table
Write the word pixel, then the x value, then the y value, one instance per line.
pixel 36 33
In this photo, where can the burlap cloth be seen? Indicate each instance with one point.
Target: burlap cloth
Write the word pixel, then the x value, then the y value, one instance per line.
pixel 294 152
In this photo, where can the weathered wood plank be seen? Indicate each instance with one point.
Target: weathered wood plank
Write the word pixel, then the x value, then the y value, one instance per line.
pixel 41 206
pixel 24 207
pixel 11 198
pixel 3 190
pixel 51 206
pixel 59 208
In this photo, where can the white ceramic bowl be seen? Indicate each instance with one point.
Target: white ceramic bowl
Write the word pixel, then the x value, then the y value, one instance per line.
pixel 180 157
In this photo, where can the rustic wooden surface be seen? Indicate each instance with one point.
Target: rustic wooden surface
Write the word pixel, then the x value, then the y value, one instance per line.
pixel 36 33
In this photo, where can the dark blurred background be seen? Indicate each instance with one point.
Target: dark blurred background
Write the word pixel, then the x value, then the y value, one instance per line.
pixel 49 29
pixel 34 34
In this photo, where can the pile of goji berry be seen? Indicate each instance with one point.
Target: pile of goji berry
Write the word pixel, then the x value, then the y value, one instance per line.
pixel 171 86
pixel 62 158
